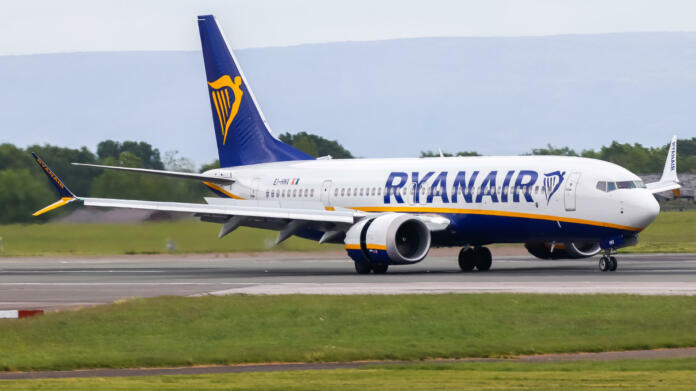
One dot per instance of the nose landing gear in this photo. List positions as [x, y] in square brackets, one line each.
[608, 263]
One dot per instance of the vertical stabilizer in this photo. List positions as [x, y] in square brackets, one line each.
[242, 133]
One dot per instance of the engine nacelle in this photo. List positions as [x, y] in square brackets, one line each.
[568, 250]
[393, 238]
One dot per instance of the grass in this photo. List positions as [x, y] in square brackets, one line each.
[172, 331]
[671, 232]
[633, 375]
[187, 236]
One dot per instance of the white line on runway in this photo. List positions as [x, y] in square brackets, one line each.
[609, 287]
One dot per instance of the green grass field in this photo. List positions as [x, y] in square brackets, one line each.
[671, 232]
[171, 331]
[631, 375]
[188, 236]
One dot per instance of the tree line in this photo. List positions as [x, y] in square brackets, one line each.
[25, 189]
[634, 157]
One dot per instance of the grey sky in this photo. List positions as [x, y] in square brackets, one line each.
[42, 26]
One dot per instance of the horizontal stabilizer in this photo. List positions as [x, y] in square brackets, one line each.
[171, 174]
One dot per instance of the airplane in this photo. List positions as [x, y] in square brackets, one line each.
[392, 211]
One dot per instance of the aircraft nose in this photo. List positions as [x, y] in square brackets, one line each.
[647, 208]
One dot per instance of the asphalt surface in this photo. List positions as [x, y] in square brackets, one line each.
[68, 282]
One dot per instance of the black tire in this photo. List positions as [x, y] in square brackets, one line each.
[604, 264]
[380, 268]
[484, 259]
[466, 259]
[613, 264]
[363, 267]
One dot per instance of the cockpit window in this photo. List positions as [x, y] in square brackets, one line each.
[611, 186]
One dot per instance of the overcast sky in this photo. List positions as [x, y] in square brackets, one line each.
[48, 26]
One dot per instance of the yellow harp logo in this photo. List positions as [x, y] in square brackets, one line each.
[221, 99]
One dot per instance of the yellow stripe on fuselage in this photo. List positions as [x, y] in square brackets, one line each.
[223, 191]
[417, 209]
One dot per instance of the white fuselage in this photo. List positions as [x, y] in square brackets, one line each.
[488, 199]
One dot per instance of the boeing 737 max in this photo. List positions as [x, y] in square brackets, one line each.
[392, 211]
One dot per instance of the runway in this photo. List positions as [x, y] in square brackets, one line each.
[51, 283]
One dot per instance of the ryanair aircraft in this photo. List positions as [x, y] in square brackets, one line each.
[392, 211]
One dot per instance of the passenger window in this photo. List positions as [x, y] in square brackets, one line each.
[343, 192]
[311, 193]
[361, 192]
[335, 192]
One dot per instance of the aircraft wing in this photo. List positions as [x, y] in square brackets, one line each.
[288, 218]
[238, 209]
[669, 180]
[172, 174]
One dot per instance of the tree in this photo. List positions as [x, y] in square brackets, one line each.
[22, 195]
[128, 185]
[551, 150]
[149, 156]
[446, 154]
[77, 178]
[210, 166]
[173, 162]
[315, 146]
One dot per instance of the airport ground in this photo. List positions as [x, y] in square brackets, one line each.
[310, 306]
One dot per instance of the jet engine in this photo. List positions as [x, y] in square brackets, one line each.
[393, 238]
[568, 250]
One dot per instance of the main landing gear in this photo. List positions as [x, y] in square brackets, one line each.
[608, 263]
[475, 257]
[367, 267]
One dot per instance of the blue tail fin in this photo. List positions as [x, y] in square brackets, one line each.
[241, 130]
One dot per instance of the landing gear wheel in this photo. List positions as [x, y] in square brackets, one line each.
[613, 264]
[363, 267]
[467, 261]
[483, 258]
[380, 268]
[604, 263]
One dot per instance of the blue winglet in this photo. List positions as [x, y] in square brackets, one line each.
[63, 191]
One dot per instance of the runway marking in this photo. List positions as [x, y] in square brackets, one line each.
[567, 287]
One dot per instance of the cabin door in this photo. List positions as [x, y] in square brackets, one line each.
[326, 192]
[570, 190]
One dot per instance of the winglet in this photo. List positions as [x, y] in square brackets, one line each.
[669, 180]
[66, 196]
